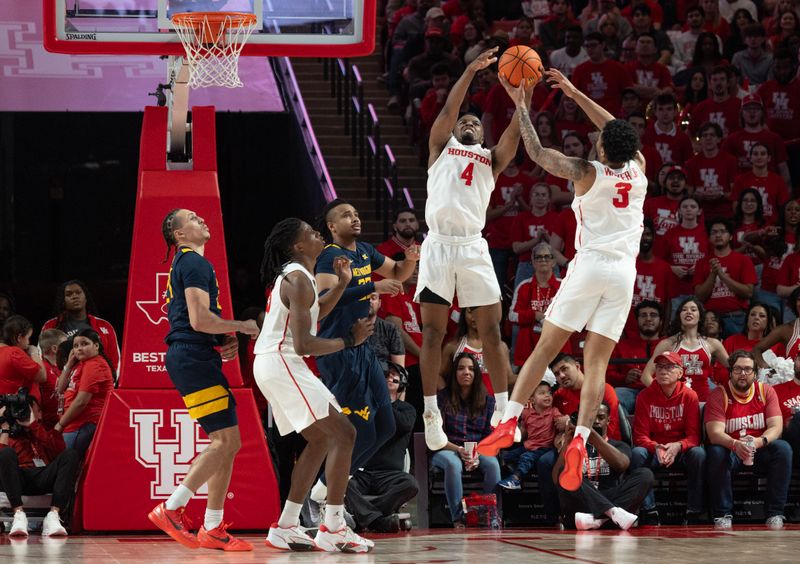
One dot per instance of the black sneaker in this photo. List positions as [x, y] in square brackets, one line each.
[693, 518]
[386, 524]
[649, 518]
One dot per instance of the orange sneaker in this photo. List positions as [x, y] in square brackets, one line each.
[571, 475]
[175, 523]
[501, 437]
[220, 539]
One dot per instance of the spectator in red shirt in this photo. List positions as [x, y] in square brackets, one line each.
[672, 144]
[35, 462]
[779, 242]
[553, 31]
[785, 336]
[666, 432]
[602, 79]
[405, 229]
[721, 108]
[749, 221]
[642, 22]
[712, 172]
[760, 322]
[781, 95]
[770, 185]
[631, 102]
[714, 22]
[570, 118]
[20, 362]
[653, 275]
[401, 311]
[789, 398]
[49, 342]
[647, 74]
[86, 381]
[653, 164]
[724, 279]
[734, 413]
[663, 210]
[562, 190]
[433, 100]
[531, 228]
[75, 310]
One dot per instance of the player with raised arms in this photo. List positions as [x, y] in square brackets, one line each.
[597, 290]
[195, 368]
[300, 401]
[454, 257]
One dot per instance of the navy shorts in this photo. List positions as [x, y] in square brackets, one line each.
[356, 379]
[196, 372]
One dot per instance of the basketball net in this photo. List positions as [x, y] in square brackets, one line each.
[213, 43]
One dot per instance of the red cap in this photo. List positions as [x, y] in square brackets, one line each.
[676, 168]
[434, 31]
[752, 99]
[670, 356]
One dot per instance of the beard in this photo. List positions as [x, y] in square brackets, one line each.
[407, 233]
[468, 138]
[649, 333]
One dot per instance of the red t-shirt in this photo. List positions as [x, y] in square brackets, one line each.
[664, 213]
[49, 401]
[654, 75]
[527, 226]
[771, 187]
[652, 162]
[741, 342]
[567, 225]
[565, 126]
[782, 105]
[17, 369]
[789, 274]
[630, 347]
[672, 148]
[502, 108]
[602, 82]
[722, 299]
[567, 400]
[683, 246]
[740, 142]
[772, 266]
[404, 307]
[541, 428]
[661, 419]
[652, 283]
[498, 231]
[725, 114]
[95, 377]
[789, 397]
[722, 28]
[530, 298]
[711, 178]
[751, 416]
[739, 239]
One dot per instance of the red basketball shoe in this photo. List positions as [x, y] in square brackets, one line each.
[175, 523]
[220, 539]
[571, 475]
[501, 437]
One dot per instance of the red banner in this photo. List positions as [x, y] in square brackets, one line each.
[142, 450]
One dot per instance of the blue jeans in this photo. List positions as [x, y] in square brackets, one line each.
[500, 259]
[547, 488]
[774, 460]
[732, 322]
[692, 462]
[450, 463]
[529, 459]
[627, 398]
[772, 300]
[81, 439]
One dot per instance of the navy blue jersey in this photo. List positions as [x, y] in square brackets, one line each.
[190, 270]
[354, 303]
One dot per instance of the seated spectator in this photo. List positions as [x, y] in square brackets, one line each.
[86, 382]
[609, 490]
[779, 242]
[729, 8]
[708, 53]
[769, 185]
[672, 144]
[714, 23]
[627, 378]
[787, 334]
[570, 119]
[781, 95]
[656, 12]
[789, 398]
[639, 123]
[642, 22]
[6, 307]
[35, 462]
[724, 279]
[572, 54]
[785, 29]
[49, 342]
[385, 339]
[433, 101]
[606, 8]
[75, 310]
[523, 34]
[484, 81]
[735, 42]
[748, 218]
[609, 26]
[553, 31]
[531, 228]
[698, 352]
[649, 77]
[683, 246]
[545, 125]
[666, 432]
[384, 477]
[712, 172]
[744, 424]
[20, 362]
[653, 276]
[755, 61]
[418, 71]
[539, 424]
[631, 103]
[760, 322]
[663, 210]
[562, 191]
[469, 42]
[721, 108]
[405, 232]
[602, 79]
[469, 342]
[467, 410]
[685, 41]
[696, 89]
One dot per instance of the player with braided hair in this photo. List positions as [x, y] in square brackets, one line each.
[195, 368]
[300, 401]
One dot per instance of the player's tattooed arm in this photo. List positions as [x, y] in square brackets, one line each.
[554, 162]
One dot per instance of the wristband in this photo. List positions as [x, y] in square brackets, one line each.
[349, 341]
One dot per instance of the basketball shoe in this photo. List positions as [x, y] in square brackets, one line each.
[220, 539]
[175, 523]
[343, 540]
[434, 433]
[289, 538]
[571, 475]
[497, 416]
[501, 437]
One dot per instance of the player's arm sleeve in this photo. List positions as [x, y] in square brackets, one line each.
[196, 273]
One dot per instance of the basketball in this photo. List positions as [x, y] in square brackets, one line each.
[520, 62]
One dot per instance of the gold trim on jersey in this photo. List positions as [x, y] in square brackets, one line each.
[207, 401]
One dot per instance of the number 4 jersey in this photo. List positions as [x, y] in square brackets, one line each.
[610, 215]
[460, 184]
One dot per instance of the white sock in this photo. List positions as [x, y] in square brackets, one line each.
[179, 498]
[622, 518]
[213, 518]
[290, 516]
[430, 403]
[319, 492]
[501, 400]
[583, 432]
[334, 518]
[512, 409]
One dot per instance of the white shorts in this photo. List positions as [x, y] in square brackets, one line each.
[298, 398]
[462, 265]
[596, 293]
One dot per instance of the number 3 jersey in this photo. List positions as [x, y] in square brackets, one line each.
[610, 214]
[460, 183]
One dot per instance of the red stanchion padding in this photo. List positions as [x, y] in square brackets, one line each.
[142, 450]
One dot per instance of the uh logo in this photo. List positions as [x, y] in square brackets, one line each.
[170, 457]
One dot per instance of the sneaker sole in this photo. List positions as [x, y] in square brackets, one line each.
[512, 488]
[349, 548]
[18, 535]
[293, 546]
[435, 446]
[174, 535]
[571, 476]
[494, 448]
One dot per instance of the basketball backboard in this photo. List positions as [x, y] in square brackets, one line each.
[311, 28]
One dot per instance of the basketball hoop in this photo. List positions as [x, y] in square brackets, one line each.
[213, 43]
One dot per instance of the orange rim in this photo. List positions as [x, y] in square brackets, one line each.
[210, 24]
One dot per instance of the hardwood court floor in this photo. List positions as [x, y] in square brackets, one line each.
[645, 545]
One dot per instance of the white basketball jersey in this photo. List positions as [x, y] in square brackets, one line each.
[460, 184]
[276, 336]
[610, 214]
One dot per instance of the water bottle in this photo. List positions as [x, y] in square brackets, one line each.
[751, 447]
